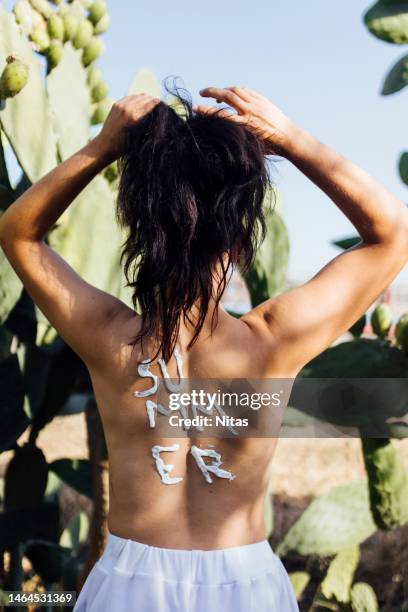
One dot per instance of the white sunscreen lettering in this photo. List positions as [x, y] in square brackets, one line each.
[206, 468]
[152, 408]
[164, 469]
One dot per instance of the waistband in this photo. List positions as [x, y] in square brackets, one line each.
[218, 566]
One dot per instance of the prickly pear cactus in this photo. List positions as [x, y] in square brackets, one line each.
[25, 478]
[403, 167]
[358, 327]
[13, 78]
[363, 598]
[381, 320]
[387, 482]
[70, 113]
[145, 82]
[267, 275]
[339, 577]
[92, 50]
[26, 118]
[101, 110]
[335, 521]
[55, 27]
[397, 78]
[97, 10]
[389, 22]
[299, 581]
[401, 333]
[83, 34]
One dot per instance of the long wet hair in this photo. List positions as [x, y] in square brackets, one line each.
[190, 198]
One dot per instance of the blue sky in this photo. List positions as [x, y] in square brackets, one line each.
[314, 59]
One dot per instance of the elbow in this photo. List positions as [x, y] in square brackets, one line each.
[400, 237]
[403, 231]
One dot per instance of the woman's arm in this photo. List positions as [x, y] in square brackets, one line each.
[80, 312]
[306, 320]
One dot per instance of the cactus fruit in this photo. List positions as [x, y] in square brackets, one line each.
[23, 13]
[55, 27]
[40, 38]
[13, 78]
[388, 483]
[99, 91]
[358, 327]
[111, 172]
[102, 25]
[381, 320]
[403, 167]
[94, 76]
[401, 333]
[83, 34]
[77, 8]
[97, 10]
[54, 53]
[92, 51]
[363, 598]
[42, 7]
[101, 111]
[71, 23]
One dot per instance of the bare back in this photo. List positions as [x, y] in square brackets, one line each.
[192, 513]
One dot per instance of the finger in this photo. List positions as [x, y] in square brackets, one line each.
[242, 92]
[252, 92]
[224, 95]
[225, 113]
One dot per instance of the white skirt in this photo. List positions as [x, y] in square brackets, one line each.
[131, 576]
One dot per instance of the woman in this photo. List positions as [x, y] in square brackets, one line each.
[189, 536]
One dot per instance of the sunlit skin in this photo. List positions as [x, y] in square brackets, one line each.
[274, 339]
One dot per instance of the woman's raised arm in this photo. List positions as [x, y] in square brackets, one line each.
[80, 312]
[306, 320]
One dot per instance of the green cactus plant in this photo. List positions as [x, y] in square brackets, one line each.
[388, 483]
[83, 34]
[403, 167]
[28, 126]
[363, 598]
[339, 577]
[401, 333]
[55, 27]
[54, 54]
[333, 522]
[358, 327]
[267, 275]
[70, 113]
[92, 50]
[397, 78]
[388, 21]
[97, 10]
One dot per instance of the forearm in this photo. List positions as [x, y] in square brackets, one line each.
[377, 214]
[33, 214]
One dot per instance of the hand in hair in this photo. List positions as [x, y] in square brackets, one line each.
[124, 113]
[254, 111]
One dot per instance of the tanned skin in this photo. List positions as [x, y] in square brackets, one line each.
[275, 339]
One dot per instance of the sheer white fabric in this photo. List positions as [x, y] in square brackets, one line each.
[131, 576]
